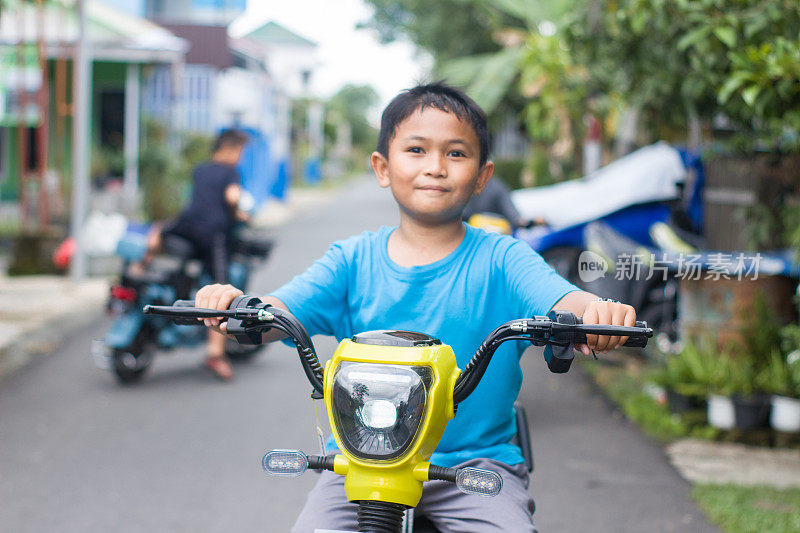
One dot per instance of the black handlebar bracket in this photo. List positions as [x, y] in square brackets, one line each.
[558, 352]
[242, 329]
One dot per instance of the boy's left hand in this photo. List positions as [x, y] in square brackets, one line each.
[608, 313]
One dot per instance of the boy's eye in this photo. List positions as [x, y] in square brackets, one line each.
[457, 153]
[415, 150]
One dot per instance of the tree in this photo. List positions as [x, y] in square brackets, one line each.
[352, 104]
[681, 59]
[446, 29]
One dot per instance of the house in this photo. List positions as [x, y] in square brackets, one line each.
[291, 59]
[36, 109]
[222, 85]
[244, 81]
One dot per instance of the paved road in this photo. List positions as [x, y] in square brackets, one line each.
[181, 451]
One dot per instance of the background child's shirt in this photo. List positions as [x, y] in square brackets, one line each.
[488, 280]
[208, 213]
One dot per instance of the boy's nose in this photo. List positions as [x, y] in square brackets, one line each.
[436, 166]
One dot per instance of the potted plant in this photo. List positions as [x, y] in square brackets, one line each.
[783, 379]
[685, 378]
[750, 404]
[721, 413]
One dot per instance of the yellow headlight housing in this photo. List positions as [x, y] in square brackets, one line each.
[389, 397]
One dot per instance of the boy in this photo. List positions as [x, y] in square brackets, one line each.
[207, 221]
[436, 275]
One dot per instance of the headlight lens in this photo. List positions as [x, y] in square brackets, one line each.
[378, 414]
[379, 408]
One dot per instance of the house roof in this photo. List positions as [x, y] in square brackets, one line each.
[274, 33]
[209, 44]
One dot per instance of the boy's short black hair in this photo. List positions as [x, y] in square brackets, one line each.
[437, 95]
[231, 138]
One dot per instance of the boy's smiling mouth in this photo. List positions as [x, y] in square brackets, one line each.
[436, 188]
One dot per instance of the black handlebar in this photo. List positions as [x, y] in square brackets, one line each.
[559, 332]
[184, 312]
[248, 318]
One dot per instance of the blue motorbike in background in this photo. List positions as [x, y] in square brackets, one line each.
[175, 273]
[649, 200]
[651, 187]
[648, 205]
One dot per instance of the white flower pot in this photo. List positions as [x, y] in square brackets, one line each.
[785, 415]
[721, 414]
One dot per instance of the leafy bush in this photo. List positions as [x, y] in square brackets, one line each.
[760, 331]
[626, 388]
[691, 371]
[165, 178]
[733, 375]
[782, 375]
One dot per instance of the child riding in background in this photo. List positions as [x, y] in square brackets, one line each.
[207, 221]
[434, 274]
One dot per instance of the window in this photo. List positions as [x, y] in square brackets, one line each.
[112, 118]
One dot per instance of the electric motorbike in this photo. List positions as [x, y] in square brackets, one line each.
[174, 273]
[389, 395]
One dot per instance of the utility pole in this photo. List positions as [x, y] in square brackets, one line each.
[131, 135]
[80, 143]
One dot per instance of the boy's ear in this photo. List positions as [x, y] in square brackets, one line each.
[484, 175]
[380, 166]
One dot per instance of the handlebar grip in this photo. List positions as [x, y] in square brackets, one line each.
[185, 321]
[632, 342]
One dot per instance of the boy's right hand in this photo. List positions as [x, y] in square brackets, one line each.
[216, 296]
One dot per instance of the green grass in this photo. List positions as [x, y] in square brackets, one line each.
[750, 509]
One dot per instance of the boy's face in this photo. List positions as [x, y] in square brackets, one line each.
[433, 167]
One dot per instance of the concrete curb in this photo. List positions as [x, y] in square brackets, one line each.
[719, 462]
[37, 312]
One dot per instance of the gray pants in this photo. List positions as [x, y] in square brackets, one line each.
[442, 503]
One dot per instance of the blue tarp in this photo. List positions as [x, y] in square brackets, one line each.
[256, 166]
[312, 171]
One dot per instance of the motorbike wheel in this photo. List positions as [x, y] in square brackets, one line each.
[131, 363]
[241, 352]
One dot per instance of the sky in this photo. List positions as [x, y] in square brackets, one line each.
[346, 55]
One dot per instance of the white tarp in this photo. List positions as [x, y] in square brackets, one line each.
[647, 175]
